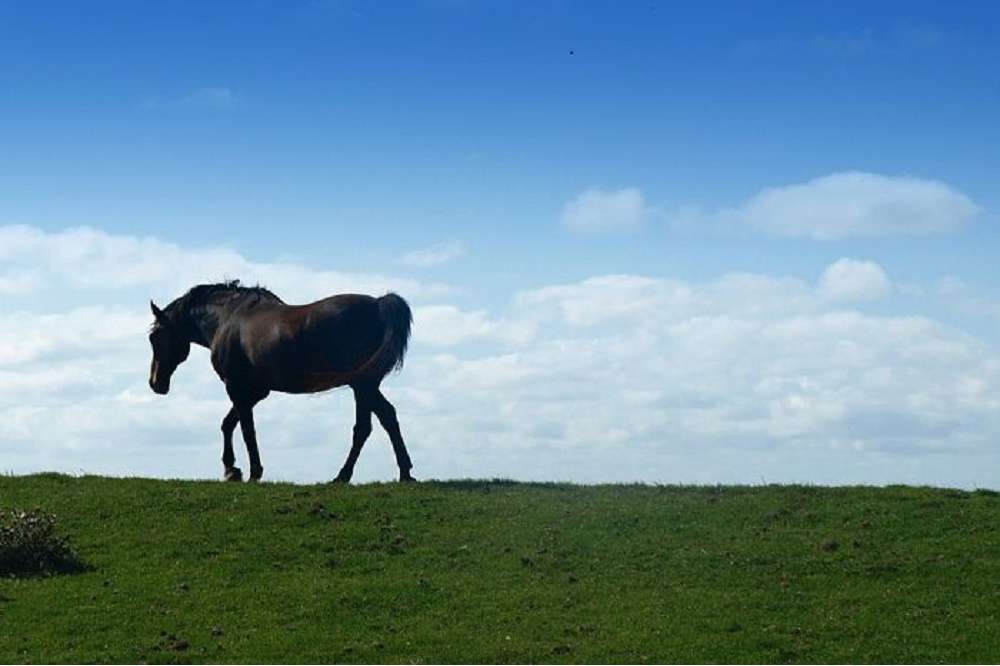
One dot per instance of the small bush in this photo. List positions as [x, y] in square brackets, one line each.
[30, 546]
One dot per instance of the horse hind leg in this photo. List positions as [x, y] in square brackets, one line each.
[386, 414]
[362, 428]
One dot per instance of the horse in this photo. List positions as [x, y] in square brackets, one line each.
[259, 344]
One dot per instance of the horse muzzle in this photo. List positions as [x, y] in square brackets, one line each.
[159, 386]
[159, 381]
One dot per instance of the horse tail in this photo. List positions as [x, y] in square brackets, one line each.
[396, 317]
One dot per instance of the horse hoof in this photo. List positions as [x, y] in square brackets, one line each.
[234, 474]
[341, 479]
[406, 479]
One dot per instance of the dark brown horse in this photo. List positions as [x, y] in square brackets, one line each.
[259, 344]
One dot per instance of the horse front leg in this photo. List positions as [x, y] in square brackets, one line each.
[232, 472]
[245, 412]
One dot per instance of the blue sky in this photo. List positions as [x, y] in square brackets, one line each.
[346, 136]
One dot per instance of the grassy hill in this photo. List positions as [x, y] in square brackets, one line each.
[476, 571]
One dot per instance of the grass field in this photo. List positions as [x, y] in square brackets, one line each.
[475, 571]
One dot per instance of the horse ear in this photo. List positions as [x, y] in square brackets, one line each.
[157, 312]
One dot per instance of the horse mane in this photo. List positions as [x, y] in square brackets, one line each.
[230, 292]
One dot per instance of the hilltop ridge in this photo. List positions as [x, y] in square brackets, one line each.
[499, 571]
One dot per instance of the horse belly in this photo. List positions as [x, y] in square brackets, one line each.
[320, 357]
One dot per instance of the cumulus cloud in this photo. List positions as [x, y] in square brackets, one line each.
[435, 255]
[963, 299]
[597, 211]
[612, 378]
[856, 203]
[28, 336]
[20, 283]
[89, 259]
[797, 375]
[844, 205]
[447, 325]
[853, 280]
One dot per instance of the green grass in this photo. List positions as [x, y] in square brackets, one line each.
[474, 571]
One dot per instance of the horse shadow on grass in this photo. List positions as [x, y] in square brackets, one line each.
[488, 485]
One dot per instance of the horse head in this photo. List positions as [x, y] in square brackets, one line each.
[170, 349]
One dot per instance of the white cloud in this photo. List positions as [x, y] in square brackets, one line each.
[596, 211]
[18, 284]
[858, 204]
[447, 325]
[852, 280]
[963, 299]
[27, 336]
[88, 259]
[435, 255]
[612, 378]
[845, 205]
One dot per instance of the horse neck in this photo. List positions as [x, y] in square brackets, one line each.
[204, 320]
